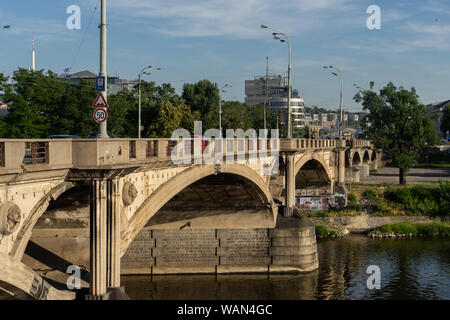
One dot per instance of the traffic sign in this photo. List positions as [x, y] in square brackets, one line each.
[100, 102]
[100, 115]
[100, 83]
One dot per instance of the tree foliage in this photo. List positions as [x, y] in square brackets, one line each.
[445, 121]
[203, 97]
[399, 124]
[171, 117]
[41, 104]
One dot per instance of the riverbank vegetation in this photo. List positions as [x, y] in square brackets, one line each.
[409, 229]
[431, 199]
[325, 232]
[416, 200]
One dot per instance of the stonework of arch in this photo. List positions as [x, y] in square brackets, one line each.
[24, 233]
[172, 187]
[313, 156]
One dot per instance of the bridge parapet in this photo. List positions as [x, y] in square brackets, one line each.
[304, 144]
[360, 143]
[17, 155]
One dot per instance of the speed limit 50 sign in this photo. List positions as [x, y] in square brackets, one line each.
[100, 115]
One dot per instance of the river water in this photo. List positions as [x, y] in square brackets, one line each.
[410, 269]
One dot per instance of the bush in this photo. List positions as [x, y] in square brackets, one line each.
[370, 194]
[324, 231]
[351, 197]
[444, 197]
[419, 199]
[352, 203]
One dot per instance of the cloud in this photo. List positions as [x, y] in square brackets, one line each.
[235, 18]
[43, 30]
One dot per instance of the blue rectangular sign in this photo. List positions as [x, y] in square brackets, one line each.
[100, 83]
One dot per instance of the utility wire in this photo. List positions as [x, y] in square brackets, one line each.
[84, 36]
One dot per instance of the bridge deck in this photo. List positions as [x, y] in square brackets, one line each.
[29, 155]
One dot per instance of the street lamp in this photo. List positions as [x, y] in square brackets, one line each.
[276, 35]
[342, 96]
[220, 107]
[143, 72]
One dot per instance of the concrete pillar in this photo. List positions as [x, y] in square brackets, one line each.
[113, 234]
[364, 170]
[290, 185]
[375, 162]
[341, 167]
[98, 232]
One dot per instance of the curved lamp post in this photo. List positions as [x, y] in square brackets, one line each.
[285, 38]
[342, 96]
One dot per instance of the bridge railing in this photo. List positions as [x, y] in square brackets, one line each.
[304, 144]
[44, 154]
[34, 154]
[360, 143]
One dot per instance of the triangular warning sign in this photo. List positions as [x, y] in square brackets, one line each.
[100, 102]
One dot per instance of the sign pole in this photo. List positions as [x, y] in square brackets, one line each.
[102, 128]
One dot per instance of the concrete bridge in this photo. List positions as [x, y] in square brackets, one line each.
[224, 200]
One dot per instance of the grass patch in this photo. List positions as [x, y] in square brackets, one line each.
[325, 232]
[421, 200]
[432, 229]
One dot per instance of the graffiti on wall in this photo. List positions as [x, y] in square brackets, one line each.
[320, 202]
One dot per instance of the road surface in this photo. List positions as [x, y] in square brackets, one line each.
[415, 175]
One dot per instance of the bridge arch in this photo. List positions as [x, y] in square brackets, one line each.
[304, 159]
[356, 160]
[312, 172]
[24, 233]
[366, 157]
[347, 159]
[373, 156]
[176, 185]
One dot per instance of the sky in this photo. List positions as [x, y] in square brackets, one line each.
[221, 40]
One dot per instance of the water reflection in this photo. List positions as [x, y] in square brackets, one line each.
[410, 269]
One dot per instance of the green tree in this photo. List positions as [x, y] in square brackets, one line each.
[257, 114]
[29, 104]
[399, 124]
[121, 106]
[301, 132]
[235, 115]
[445, 121]
[171, 117]
[203, 97]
